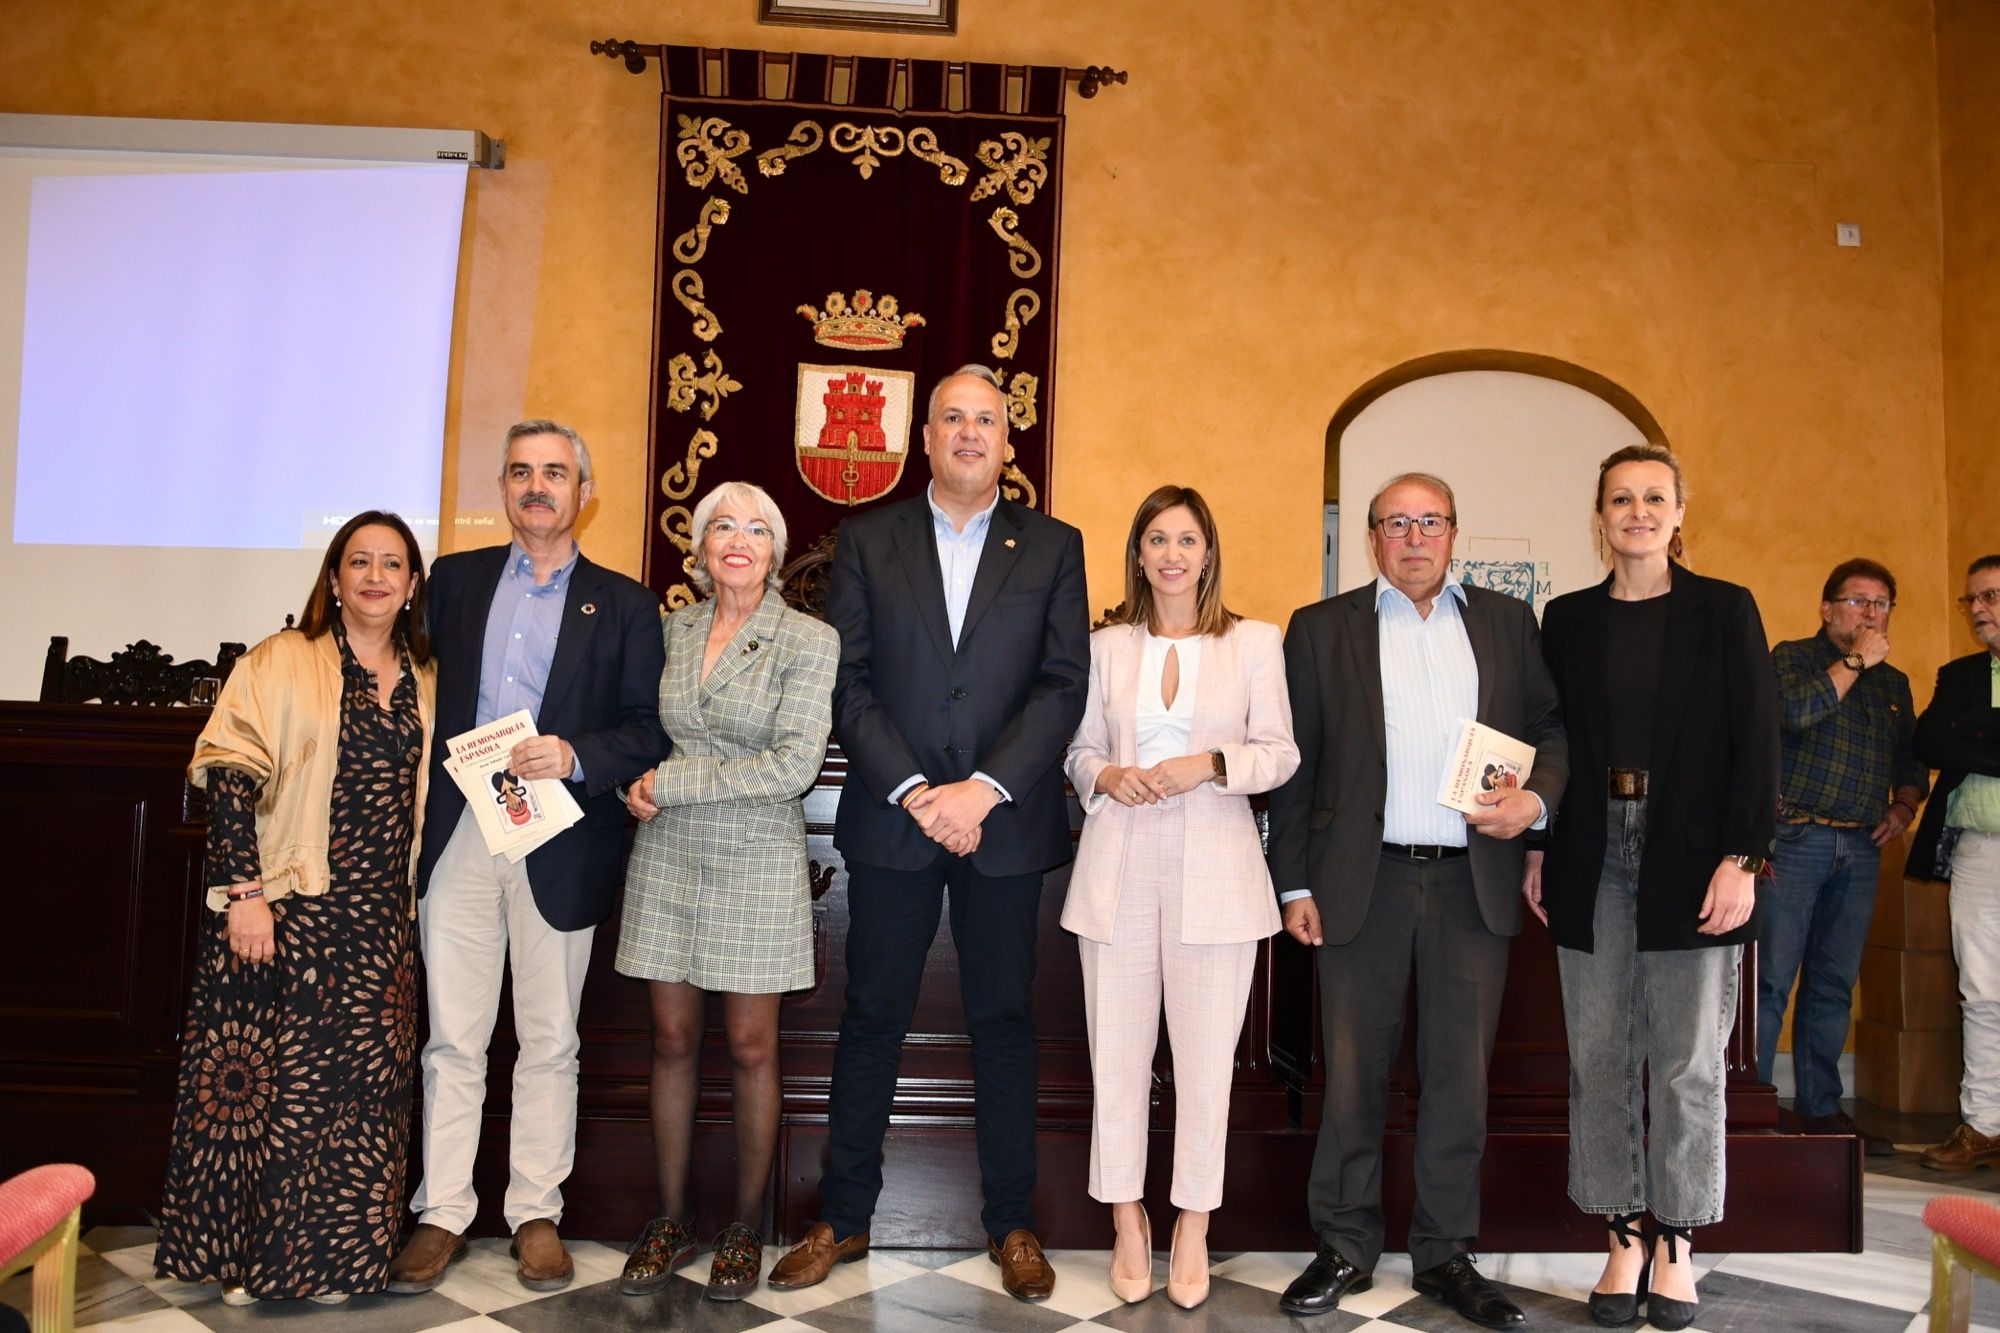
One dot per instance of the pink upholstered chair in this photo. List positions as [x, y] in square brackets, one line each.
[41, 1212]
[1965, 1239]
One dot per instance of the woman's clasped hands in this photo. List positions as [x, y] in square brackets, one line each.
[1150, 786]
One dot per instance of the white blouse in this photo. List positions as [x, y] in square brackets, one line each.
[1162, 731]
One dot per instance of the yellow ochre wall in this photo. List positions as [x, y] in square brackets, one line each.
[1969, 115]
[1289, 198]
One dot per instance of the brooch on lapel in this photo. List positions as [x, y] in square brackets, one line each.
[1010, 543]
[588, 608]
[750, 647]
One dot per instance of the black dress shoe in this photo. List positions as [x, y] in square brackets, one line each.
[1326, 1279]
[1458, 1284]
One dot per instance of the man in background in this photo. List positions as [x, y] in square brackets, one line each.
[1851, 783]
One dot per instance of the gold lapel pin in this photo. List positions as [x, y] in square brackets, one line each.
[1010, 543]
[589, 608]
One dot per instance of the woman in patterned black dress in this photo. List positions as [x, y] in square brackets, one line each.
[286, 1173]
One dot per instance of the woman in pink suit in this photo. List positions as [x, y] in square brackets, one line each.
[1186, 719]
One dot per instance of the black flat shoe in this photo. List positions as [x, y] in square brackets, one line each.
[1664, 1312]
[1458, 1284]
[1614, 1309]
[1326, 1279]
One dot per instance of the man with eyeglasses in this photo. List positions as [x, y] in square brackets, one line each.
[1851, 783]
[1959, 841]
[1385, 882]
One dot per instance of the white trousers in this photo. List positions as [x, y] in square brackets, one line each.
[1206, 988]
[477, 920]
[1975, 943]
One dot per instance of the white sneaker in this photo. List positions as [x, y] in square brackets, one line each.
[235, 1293]
[329, 1298]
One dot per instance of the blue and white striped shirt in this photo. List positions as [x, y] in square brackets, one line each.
[1430, 686]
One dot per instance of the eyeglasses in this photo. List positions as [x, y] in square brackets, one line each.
[727, 527]
[1882, 605]
[1398, 525]
[1985, 597]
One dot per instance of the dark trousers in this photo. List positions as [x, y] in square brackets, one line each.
[892, 919]
[1422, 914]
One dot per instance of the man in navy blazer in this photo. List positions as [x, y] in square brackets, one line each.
[530, 625]
[964, 659]
[1958, 840]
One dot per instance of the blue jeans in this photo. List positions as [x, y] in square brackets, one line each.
[1815, 922]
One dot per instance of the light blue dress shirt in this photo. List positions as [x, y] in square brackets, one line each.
[958, 561]
[520, 642]
[1430, 687]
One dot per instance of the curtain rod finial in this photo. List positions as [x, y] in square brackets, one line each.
[1095, 77]
[630, 52]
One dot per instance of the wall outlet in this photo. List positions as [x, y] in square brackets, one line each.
[1847, 233]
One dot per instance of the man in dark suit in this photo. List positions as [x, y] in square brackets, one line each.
[964, 657]
[1383, 880]
[1958, 840]
[530, 625]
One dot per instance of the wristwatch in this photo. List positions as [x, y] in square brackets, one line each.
[1756, 865]
[1855, 662]
[1221, 768]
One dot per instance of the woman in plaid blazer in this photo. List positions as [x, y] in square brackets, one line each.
[716, 892]
[1187, 716]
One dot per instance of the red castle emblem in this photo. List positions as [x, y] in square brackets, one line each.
[853, 443]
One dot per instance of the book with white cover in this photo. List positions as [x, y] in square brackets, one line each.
[515, 814]
[1483, 760]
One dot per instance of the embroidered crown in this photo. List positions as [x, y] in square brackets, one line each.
[860, 321]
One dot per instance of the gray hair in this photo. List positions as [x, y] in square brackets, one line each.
[767, 509]
[978, 372]
[543, 426]
[1429, 479]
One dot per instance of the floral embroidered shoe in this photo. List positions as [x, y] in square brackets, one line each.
[739, 1256]
[661, 1248]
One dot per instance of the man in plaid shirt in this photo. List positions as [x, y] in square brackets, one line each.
[1851, 783]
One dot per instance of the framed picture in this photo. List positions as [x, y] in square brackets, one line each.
[938, 17]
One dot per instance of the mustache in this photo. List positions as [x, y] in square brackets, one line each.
[536, 497]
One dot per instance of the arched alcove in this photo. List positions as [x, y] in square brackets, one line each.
[1517, 435]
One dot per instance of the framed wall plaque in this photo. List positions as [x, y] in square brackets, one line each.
[937, 17]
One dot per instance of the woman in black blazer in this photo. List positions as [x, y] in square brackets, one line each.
[1648, 883]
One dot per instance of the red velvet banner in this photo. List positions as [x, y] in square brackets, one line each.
[835, 236]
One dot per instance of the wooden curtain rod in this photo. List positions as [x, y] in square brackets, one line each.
[635, 54]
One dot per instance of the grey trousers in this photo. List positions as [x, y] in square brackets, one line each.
[1423, 913]
[1669, 1009]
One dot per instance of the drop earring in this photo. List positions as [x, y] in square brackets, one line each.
[1677, 548]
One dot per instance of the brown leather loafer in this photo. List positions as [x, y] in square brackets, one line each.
[544, 1264]
[422, 1262]
[1965, 1149]
[1024, 1270]
[813, 1258]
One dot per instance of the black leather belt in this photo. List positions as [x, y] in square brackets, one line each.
[1626, 784]
[1426, 852]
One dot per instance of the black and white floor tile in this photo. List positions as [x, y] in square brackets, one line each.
[1884, 1289]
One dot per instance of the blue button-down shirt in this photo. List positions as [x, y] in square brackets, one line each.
[1430, 686]
[958, 561]
[958, 555]
[520, 645]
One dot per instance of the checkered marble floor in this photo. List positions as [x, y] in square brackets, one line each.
[1885, 1289]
